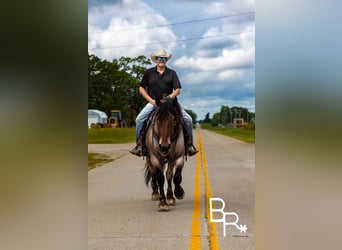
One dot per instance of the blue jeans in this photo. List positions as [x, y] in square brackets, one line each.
[144, 113]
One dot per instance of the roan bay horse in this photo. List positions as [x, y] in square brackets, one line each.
[165, 145]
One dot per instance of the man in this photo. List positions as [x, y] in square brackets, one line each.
[156, 83]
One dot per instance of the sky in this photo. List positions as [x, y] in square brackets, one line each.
[212, 45]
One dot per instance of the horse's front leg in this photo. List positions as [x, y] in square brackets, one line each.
[150, 174]
[177, 179]
[169, 175]
[163, 206]
[154, 185]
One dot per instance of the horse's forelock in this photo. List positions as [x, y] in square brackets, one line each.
[167, 108]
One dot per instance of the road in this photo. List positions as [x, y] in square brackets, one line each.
[122, 216]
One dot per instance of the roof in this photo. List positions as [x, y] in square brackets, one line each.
[97, 113]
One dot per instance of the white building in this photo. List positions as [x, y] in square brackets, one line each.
[96, 116]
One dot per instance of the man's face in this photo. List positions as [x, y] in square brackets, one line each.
[161, 61]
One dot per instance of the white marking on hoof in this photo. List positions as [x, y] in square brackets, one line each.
[171, 202]
[163, 208]
[155, 197]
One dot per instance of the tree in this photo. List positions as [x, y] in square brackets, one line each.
[102, 78]
[115, 84]
[207, 119]
[224, 115]
[216, 119]
[135, 68]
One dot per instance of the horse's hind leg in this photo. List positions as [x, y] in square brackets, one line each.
[163, 206]
[169, 195]
[177, 179]
[155, 192]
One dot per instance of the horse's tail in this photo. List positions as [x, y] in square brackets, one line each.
[148, 175]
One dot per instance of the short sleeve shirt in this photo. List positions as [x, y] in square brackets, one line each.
[158, 84]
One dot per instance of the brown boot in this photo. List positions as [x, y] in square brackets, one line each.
[191, 150]
[136, 151]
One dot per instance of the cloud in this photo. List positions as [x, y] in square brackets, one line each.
[229, 59]
[194, 77]
[117, 30]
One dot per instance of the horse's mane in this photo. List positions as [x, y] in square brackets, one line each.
[167, 107]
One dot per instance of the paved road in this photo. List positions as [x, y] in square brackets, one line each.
[122, 216]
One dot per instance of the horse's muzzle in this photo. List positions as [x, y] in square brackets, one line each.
[164, 149]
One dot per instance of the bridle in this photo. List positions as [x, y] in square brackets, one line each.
[156, 133]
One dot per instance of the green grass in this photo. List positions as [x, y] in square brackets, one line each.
[96, 160]
[244, 134]
[111, 135]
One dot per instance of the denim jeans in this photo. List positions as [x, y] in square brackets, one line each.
[144, 113]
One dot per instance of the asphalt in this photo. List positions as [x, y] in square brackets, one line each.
[121, 214]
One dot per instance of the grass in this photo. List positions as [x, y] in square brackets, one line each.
[245, 134]
[107, 136]
[111, 135]
[96, 160]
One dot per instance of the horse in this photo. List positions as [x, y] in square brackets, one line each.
[165, 145]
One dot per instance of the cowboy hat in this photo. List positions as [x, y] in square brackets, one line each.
[160, 53]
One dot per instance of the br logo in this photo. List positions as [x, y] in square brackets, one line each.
[224, 215]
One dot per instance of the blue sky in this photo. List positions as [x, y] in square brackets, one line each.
[212, 43]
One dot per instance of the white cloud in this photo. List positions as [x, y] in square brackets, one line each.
[230, 75]
[229, 7]
[193, 78]
[229, 59]
[123, 33]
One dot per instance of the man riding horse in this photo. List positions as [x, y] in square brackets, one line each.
[157, 82]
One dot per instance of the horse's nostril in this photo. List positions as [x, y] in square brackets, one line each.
[163, 149]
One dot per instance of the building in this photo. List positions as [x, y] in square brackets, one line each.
[96, 117]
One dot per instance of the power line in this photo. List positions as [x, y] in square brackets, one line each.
[179, 40]
[172, 24]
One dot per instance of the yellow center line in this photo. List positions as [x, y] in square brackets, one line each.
[212, 232]
[195, 243]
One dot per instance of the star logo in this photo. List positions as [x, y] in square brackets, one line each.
[243, 228]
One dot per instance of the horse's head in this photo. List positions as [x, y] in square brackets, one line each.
[168, 120]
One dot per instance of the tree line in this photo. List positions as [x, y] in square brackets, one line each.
[226, 116]
[115, 85]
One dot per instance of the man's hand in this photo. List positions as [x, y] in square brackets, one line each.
[167, 99]
[153, 102]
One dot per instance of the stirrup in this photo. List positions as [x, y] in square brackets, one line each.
[191, 150]
[136, 151]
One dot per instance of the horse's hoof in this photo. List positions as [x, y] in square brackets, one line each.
[179, 193]
[155, 196]
[180, 197]
[171, 202]
[163, 206]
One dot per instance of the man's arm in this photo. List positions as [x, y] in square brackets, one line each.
[144, 93]
[175, 93]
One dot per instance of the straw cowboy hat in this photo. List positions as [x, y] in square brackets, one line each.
[161, 53]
